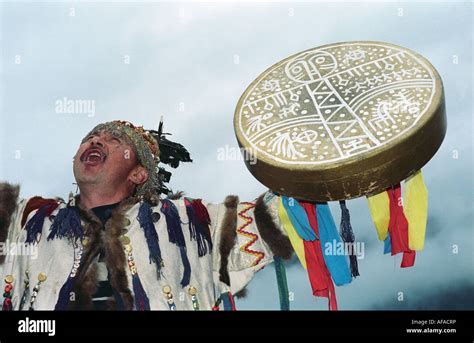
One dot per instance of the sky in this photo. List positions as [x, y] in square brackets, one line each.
[190, 62]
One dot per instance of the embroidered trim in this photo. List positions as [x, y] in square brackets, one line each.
[169, 298]
[26, 290]
[78, 250]
[192, 291]
[253, 237]
[7, 296]
[142, 302]
[64, 293]
[36, 289]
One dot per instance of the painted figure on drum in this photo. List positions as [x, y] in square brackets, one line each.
[320, 126]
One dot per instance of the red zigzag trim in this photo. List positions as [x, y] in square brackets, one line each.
[253, 237]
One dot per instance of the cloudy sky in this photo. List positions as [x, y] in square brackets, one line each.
[191, 62]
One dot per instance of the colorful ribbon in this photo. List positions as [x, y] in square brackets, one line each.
[228, 301]
[295, 239]
[379, 206]
[299, 219]
[347, 235]
[337, 264]
[416, 210]
[398, 228]
[403, 231]
[387, 245]
[282, 284]
[318, 273]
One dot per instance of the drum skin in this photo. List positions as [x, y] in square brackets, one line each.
[341, 121]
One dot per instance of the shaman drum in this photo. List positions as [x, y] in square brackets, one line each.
[341, 121]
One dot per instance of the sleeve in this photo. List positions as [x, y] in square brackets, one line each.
[12, 259]
[246, 237]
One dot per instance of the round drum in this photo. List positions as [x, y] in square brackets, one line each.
[341, 120]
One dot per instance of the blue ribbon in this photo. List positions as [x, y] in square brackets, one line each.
[283, 292]
[337, 264]
[141, 299]
[145, 219]
[67, 224]
[176, 236]
[226, 300]
[387, 245]
[34, 226]
[299, 219]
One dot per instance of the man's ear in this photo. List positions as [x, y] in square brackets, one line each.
[138, 175]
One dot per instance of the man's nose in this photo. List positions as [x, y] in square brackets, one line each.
[97, 141]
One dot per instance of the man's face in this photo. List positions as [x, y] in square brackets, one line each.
[104, 159]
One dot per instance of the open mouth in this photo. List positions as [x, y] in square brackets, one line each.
[93, 156]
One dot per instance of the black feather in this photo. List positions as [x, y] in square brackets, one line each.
[171, 153]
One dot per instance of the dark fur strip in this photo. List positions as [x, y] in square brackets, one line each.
[93, 232]
[175, 195]
[84, 289]
[115, 256]
[86, 280]
[241, 294]
[111, 305]
[228, 234]
[279, 244]
[8, 203]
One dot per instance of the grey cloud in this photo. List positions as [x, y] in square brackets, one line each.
[191, 61]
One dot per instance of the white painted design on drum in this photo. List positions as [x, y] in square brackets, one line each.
[332, 103]
[310, 66]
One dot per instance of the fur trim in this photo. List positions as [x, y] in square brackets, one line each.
[108, 239]
[175, 195]
[115, 258]
[228, 235]
[111, 305]
[278, 243]
[93, 231]
[152, 198]
[86, 283]
[242, 293]
[84, 289]
[8, 203]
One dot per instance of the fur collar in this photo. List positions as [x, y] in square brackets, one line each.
[8, 204]
[115, 259]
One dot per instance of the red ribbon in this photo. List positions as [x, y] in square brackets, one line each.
[318, 273]
[398, 228]
[231, 299]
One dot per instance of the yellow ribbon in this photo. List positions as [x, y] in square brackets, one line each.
[379, 206]
[416, 210]
[295, 239]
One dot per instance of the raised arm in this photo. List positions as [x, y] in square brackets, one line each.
[246, 236]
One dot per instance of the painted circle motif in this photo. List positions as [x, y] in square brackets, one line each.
[334, 102]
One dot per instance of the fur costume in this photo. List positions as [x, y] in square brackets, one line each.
[227, 268]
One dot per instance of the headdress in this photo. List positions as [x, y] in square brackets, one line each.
[151, 148]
